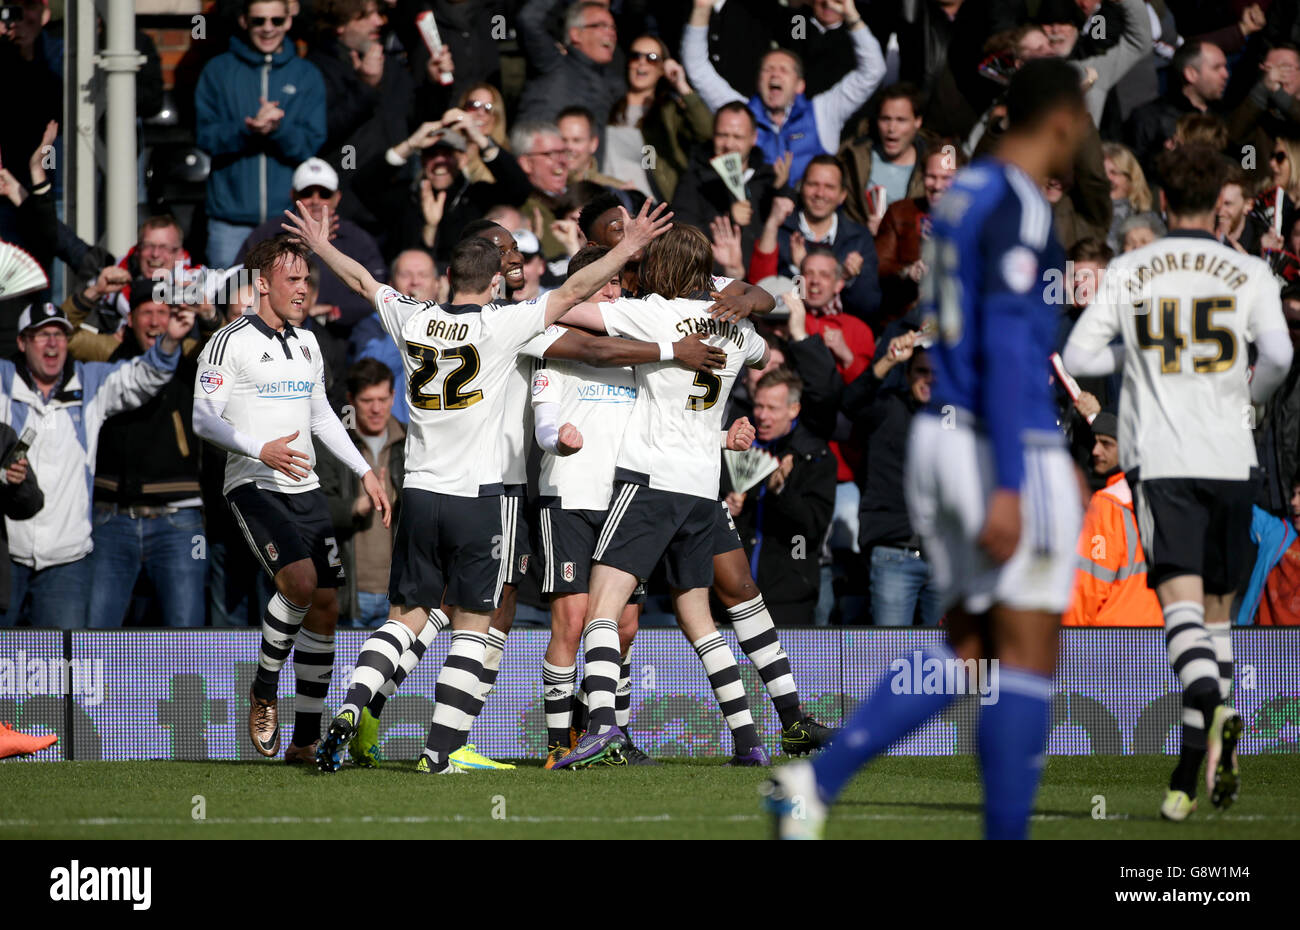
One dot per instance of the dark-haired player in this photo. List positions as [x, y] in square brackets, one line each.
[989, 483]
[448, 547]
[1187, 308]
[260, 395]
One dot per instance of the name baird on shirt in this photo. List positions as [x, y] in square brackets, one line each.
[711, 327]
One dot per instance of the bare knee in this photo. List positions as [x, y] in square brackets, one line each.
[732, 581]
[297, 582]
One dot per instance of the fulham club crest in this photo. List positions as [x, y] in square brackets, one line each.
[567, 571]
[272, 553]
[306, 352]
[523, 565]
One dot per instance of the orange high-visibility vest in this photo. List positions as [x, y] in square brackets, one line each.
[1110, 583]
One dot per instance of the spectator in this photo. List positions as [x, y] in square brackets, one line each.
[1118, 58]
[902, 581]
[659, 114]
[67, 403]
[315, 185]
[433, 214]
[1272, 108]
[36, 220]
[891, 160]
[545, 160]
[530, 249]
[261, 113]
[1277, 434]
[1129, 193]
[471, 43]
[35, 93]
[1240, 226]
[1273, 595]
[1198, 77]
[1284, 166]
[702, 195]
[365, 544]
[783, 520]
[486, 109]
[1140, 230]
[415, 275]
[905, 226]
[787, 120]
[369, 96]
[147, 503]
[583, 71]
[20, 499]
[577, 126]
[1110, 584]
[787, 235]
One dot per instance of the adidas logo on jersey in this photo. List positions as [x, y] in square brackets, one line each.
[266, 357]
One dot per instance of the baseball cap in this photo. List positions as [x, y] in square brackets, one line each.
[1105, 424]
[37, 315]
[778, 286]
[527, 243]
[315, 172]
[451, 138]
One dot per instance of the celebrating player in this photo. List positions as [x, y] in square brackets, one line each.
[664, 503]
[989, 482]
[1187, 307]
[260, 395]
[448, 548]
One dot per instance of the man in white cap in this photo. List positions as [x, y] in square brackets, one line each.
[316, 185]
[65, 402]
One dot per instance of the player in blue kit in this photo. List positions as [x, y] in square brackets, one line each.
[989, 483]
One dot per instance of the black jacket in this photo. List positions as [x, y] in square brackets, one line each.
[783, 532]
[883, 414]
[701, 195]
[1277, 443]
[18, 502]
[1153, 123]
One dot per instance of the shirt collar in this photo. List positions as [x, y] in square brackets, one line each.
[260, 325]
[808, 233]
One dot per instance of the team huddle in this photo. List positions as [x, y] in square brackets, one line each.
[625, 395]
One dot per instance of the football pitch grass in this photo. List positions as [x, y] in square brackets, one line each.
[895, 798]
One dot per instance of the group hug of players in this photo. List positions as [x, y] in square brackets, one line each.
[631, 427]
[625, 486]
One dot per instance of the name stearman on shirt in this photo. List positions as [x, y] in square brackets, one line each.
[1216, 267]
[712, 327]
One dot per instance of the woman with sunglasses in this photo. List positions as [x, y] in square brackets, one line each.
[486, 110]
[659, 111]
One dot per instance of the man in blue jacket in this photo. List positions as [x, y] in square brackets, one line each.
[261, 113]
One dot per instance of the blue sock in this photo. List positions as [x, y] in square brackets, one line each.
[881, 720]
[1012, 742]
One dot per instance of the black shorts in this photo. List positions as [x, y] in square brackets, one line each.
[567, 540]
[645, 525]
[449, 550]
[286, 528]
[515, 527]
[1195, 526]
[725, 536]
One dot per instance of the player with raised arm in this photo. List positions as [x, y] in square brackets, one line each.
[1187, 307]
[260, 395]
[448, 545]
[733, 581]
[664, 500]
[989, 483]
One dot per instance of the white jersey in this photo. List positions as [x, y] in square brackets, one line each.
[517, 430]
[599, 402]
[266, 381]
[671, 442]
[1186, 307]
[458, 362]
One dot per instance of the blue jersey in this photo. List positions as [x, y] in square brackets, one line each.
[990, 246]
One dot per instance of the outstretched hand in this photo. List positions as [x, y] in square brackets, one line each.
[315, 233]
[648, 225]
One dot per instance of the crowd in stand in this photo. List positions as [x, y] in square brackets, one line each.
[809, 140]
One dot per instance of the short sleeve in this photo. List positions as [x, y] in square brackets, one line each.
[721, 283]
[1098, 325]
[755, 346]
[629, 317]
[395, 309]
[537, 346]
[1266, 309]
[548, 386]
[217, 371]
[517, 325]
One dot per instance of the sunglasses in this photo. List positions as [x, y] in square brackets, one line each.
[652, 57]
[315, 191]
[480, 105]
[1277, 157]
[276, 21]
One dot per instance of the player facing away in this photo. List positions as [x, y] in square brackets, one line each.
[733, 581]
[556, 343]
[664, 500]
[448, 547]
[989, 483]
[1187, 308]
[260, 395]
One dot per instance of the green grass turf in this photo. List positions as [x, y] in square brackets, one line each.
[913, 798]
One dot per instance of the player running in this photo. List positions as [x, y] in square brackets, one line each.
[664, 503]
[1187, 307]
[448, 548]
[260, 395]
[989, 483]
